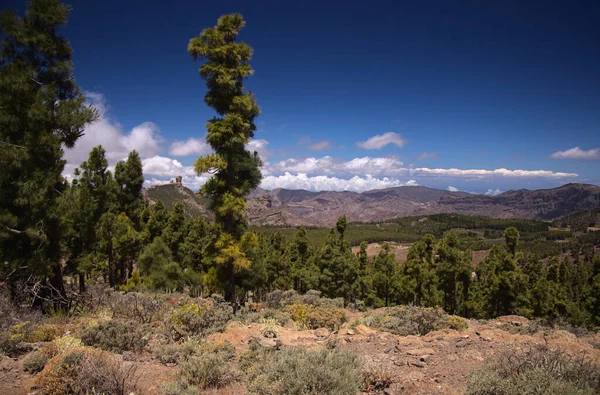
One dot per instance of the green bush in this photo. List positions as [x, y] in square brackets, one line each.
[297, 371]
[279, 299]
[35, 362]
[312, 317]
[87, 371]
[116, 336]
[206, 365]
[9, 344]
[176, 353]
[199, 317]
[412, 320]
[538, 370]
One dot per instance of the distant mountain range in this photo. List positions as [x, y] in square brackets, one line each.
[300, 207]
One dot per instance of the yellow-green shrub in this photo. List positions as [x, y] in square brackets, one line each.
[312, 317]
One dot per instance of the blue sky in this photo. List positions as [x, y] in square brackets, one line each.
[476, 96]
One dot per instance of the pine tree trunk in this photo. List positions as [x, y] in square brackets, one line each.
[58, 285]
[111, 266]
[81, 282]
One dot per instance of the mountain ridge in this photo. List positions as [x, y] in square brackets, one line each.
[322, 208]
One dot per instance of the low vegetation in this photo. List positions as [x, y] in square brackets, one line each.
[538, 370]
[297, 371]
[82, 370]
[116, 336]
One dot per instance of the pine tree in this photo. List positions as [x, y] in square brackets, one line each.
[175, 232]
[41, 110]
[129, 177]
[235, 171]
[82, 206]
[156, 223]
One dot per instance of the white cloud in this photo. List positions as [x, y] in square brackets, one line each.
[487, 173]
[453, 189]
[327, 165]
[166, 167]
[261, 146]
[144, 138]
[192, 146]
[391, 166]
[381, 140]
[577, 153]
[320, 145]
[493, 192]
[325, 183]
[428, 155]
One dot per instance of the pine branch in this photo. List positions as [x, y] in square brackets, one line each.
[15, 231]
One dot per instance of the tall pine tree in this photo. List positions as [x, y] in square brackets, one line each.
[235, 171]
[41, 111]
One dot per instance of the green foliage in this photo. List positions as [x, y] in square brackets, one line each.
[312, 317]
[176, 353]
[41, 110]
[235, 171]
[297, 371]
[116, 336]
[412, 320]
[538, 370]
[85, 370]
[35, 362]
[200, 317]
[201, 366]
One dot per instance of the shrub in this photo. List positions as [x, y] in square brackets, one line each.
[199, 317]
[269, 329]
[538, 370]
[297, 371]
[9, 344]
[44, 333]
[65, 343]
[143, 308]
[176, 353]
[412, 320]
[206, 366]
[311, 317]
[279, 299]
[116, 336]
[35, 362]
[249, 317]
[85, 371]
[376, 378]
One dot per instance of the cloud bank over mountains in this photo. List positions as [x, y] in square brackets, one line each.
[311, 173]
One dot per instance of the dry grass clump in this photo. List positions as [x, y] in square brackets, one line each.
[87, 371]
[376, 377]
[538, 370]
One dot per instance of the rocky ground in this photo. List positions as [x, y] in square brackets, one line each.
[436, 363]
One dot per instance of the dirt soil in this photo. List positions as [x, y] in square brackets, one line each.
[437, 363]
[401, 252]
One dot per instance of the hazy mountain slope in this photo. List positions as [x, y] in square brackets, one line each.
[300, 207]
[169, 194]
